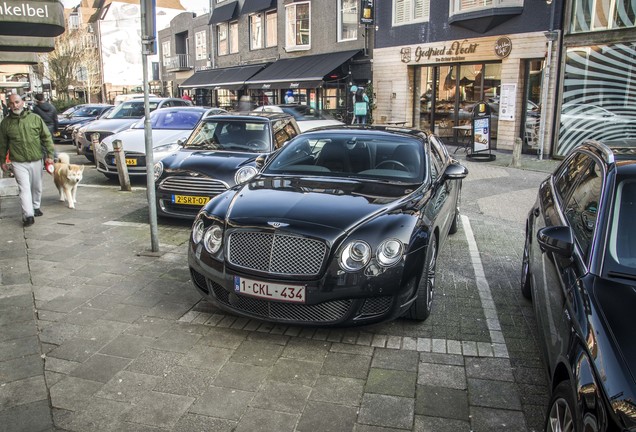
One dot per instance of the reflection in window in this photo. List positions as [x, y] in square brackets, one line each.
[234, 38]
[598, 95]
[463, 6]
[271, 30]
[347, 20]
[582, 208]
[598, 15]
[201, 49]
[222, 39]
[297, 26]
[622, 244]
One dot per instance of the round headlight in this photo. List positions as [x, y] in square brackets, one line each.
[390, 252]
[355, 255]
[197, 231]
[213, 238]
[158, 170]
[244, 174]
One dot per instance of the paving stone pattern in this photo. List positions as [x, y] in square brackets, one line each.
[96, 335]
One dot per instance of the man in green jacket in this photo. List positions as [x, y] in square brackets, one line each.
[23, 135]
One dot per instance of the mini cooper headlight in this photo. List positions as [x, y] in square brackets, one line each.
[197, 231]
[213, 238]
[158, 170]
[355, 255]
[244, 174]
[389, 252]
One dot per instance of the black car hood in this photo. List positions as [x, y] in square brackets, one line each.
[216, 164]
[337, 204]
[617, 303]
[73, 120]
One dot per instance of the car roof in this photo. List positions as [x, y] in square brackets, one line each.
[369, 129]
[250, 115]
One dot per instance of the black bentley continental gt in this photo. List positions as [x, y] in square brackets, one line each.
[341, 226]
[579, 269]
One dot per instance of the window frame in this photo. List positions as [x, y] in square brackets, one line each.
[166, 50]
[412, 12]
[341, 14]
[200, 45]
[291, 27]
[456, 7]
[222, 43]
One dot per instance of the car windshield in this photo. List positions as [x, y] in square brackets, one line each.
[87, 112]
[230, 135]
[622, 243]
[131, 110]
[172, 119]
[368, 156]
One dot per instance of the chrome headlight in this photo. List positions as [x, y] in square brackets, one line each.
[197, 231]
[355, 255]
[390, 252]
[102, 148]
[158, 170]
[244, 174]
[167, 148]
[213, 238]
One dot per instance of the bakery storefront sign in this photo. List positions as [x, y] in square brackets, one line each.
[457, 51]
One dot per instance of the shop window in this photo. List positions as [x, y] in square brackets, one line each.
[410, 11]
[599, 15]
[297, 27]
[347, 20]
[201, 51]
[598, 95]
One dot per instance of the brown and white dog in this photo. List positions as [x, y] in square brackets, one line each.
[66, 177]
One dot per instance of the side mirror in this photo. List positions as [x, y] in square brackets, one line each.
[455, 171]
[556, 239]
[180, 142]
[260, 161]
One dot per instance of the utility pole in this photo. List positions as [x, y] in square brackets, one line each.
[148, 47]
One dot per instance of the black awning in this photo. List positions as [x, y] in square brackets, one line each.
[232, 78]
[256, 5]
[27, 44]
[223, 13]
[18, 58]
[44, 18]
[300, 72]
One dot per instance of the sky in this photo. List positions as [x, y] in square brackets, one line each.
[196, 6]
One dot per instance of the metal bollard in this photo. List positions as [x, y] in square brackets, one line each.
[122, 168]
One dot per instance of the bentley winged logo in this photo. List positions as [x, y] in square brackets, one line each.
[278, 224]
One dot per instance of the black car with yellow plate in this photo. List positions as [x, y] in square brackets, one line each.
[220, 153]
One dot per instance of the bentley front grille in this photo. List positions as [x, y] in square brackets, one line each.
[193, 185]
[278, 254]
[325, 312]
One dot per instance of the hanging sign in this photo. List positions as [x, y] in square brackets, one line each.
[366, 15]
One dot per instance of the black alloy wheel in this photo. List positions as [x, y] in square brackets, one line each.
[561, 410]
[421, 307]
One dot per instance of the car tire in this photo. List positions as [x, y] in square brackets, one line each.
[561, 413]
[455, 225]
[526, 287]
[421, 307]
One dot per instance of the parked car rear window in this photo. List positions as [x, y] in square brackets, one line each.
[231, 135]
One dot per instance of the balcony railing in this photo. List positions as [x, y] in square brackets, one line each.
[179, 62]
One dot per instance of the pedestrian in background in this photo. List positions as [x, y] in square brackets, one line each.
[47, 111]
[360, 106]
[23, 134]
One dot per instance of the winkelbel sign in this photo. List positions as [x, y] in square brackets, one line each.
[24, 9]
[43, 18]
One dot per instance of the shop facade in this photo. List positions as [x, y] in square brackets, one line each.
[435, 86]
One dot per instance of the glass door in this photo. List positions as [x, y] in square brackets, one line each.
[445, 101]
[531, 115]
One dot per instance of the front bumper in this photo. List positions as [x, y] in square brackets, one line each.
[330, 301]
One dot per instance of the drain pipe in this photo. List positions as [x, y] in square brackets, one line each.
[551, 36]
